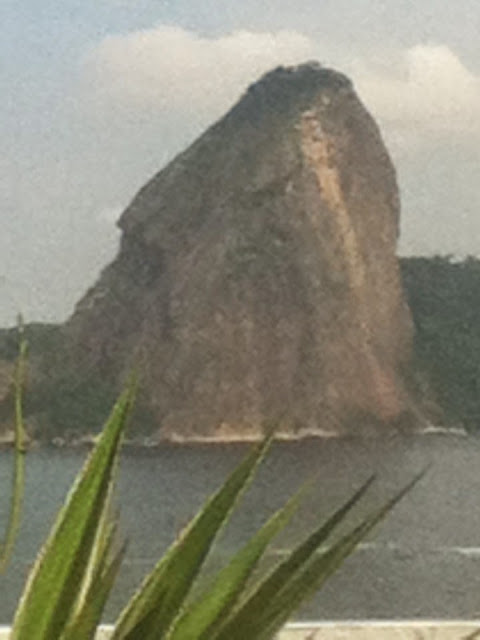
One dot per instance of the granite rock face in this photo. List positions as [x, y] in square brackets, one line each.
[257, 276]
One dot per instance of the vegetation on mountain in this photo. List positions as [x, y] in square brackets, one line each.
[444, 298]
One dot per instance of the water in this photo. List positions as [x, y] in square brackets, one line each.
[422, 562]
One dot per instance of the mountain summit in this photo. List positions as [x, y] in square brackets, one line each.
[257, 276]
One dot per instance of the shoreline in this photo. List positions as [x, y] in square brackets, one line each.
[146, 443]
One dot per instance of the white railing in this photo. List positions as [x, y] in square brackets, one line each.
[362, 630]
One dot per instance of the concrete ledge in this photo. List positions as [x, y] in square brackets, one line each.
[384, 630]
[364, 630]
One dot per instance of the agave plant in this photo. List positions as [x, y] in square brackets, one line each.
[18, 476]
[75, 570]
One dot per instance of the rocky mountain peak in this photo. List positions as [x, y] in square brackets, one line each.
[257, 275]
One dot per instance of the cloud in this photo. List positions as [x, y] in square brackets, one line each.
[187, 80]
[171, 70]
[420, 93]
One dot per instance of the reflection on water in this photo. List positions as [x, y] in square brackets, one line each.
[423, 561]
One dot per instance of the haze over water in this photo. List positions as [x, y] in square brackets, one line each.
[422, 562]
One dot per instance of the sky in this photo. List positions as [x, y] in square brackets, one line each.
[98, 95]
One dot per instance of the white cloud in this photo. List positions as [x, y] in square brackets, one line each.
[171, 70]
[186, 79]
[424, 91]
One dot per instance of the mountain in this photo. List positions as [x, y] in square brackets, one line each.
[257, 278]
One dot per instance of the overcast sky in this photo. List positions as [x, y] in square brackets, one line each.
[97, 95]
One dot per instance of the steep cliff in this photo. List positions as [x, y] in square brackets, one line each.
[257, 276]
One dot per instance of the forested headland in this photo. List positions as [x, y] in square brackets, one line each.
[444, 298]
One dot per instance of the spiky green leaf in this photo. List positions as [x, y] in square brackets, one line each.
[253, 604]
[310, 576]
[59, 573]
[18, 478]
[216, 603]
[160, 599]
[87, 619]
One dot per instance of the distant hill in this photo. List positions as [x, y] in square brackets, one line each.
[444, 297]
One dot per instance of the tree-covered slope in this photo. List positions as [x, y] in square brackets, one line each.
[444, 298]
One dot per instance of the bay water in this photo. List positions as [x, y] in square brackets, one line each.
[422, 562]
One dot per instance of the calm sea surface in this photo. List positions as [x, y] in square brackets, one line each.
[423, 561]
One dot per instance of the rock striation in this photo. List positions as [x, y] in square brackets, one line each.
[257, 277]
